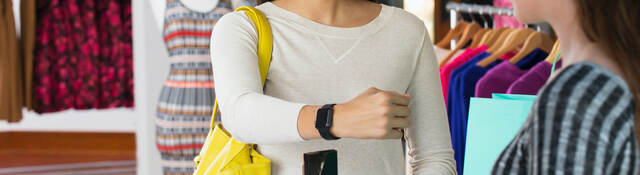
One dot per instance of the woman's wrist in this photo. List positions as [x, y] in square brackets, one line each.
[374, 114]
[335, 130]
[307, 121]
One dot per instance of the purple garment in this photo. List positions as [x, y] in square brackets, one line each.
[531, 82]
[498, 79]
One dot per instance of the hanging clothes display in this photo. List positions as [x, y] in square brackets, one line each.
[186, 101]
[445, 72]
[461, 89]
[533, 80]
[83, 55]
[498, 79]
[470, 80]
[481, 18]
[11, 82]
[500, 21]
[492, 63]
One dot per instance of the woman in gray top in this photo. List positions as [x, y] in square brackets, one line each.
[583, 119]
[374, 61]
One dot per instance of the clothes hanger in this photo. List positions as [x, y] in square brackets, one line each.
[452, 34]
[486, 36]
[467, 35]
[486, 30]
[554, 51]
[500, 40]
[547, 43]
[535, 40]
[484, 20]
[475, 42]
[489, 40]
[515, 39]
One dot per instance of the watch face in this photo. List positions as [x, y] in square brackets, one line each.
[329, 119]
[321, 118]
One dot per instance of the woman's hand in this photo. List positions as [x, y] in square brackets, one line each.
[374, 114]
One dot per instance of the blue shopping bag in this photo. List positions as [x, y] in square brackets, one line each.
[492, 124]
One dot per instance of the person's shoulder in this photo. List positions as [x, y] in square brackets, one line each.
[587, 91]
[585, 97]
[240, 18]
[234, 23]
[405, 20]
[403, 17]
[233, 18]
[586, 78]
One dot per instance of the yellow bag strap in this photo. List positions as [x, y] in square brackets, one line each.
[265, 47]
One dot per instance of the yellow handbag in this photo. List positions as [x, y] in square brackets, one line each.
[222, 154]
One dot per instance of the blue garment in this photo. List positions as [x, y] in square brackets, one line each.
[453, 81]
[461, 89]
[532, 59]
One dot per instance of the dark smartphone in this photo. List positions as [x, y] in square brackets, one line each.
[321, 163]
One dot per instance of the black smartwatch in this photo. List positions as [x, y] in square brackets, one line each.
[324, 120]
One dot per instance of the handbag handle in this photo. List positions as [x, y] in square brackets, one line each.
[265, 47]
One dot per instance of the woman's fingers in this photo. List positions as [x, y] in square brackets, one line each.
[400, 111]
[399, 99]
[397, 122]
[394, 134]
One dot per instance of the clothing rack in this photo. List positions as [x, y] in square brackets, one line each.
[455, 7]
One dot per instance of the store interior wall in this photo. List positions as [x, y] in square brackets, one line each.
[151, 68]
[423, 9]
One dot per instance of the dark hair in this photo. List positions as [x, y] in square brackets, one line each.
[614, 25]
[263, 1]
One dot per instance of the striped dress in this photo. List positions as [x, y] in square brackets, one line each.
[581, 123]
[186, 101]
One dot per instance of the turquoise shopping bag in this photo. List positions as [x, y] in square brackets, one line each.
[492, 124]
[513, 97]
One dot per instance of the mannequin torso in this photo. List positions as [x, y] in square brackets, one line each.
[159, 7]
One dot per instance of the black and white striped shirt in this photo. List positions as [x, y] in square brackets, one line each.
[581, 123]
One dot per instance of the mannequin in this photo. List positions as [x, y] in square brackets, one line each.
[159, 7]
[185, 104]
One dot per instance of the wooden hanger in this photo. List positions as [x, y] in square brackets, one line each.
[554, 51]
[535, 40]
[515, 39]
[467, 35]
[475, 42]
[452, 34]
[500, 40]
[486, 37]
[489, 40]
[547, 44]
